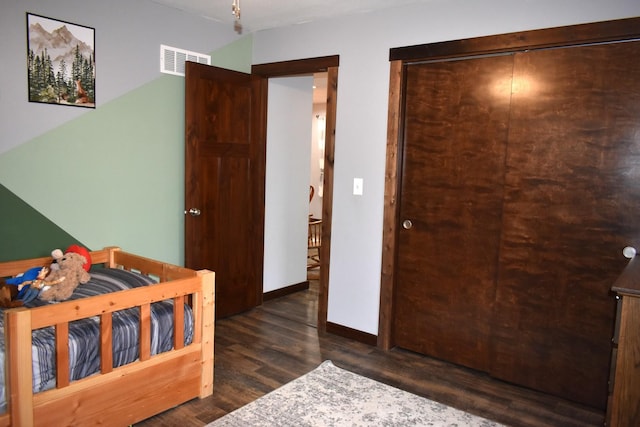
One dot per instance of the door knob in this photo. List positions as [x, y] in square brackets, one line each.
[629, 252]
[194, 212]
[407, 224]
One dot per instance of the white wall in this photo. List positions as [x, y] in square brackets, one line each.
[289, 106]
[128, 35]
[363, 43]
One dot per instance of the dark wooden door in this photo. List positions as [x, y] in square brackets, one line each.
[572, 197]
[224, 177]
[521, 178]
[455, 133]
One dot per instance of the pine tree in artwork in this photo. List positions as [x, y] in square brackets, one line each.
[62, 89]
[82, 71]
[74, 84]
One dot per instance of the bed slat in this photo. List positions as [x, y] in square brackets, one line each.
[106, 342]
[178, 322]
[62, 354]
[145, 332]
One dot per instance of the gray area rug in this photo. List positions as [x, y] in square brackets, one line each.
[331, 396]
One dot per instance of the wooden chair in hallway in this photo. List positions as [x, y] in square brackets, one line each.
[314, 243]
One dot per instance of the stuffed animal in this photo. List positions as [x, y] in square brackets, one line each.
[23, 288]
[23, 283]
[63, 280]
[79, 250]
[16, 291]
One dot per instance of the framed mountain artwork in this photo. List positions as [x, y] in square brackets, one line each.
[60, 62]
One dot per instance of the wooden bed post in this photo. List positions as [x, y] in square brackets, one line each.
[19, 375]
[112, 250]
[206, 301]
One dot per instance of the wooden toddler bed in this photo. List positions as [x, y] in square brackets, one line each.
[115, 395]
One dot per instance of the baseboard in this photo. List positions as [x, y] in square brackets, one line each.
[352, 334]
[285, 291]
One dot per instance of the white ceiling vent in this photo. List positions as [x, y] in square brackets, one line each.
[172, 59]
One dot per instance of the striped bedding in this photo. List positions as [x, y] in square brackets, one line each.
[84, 335]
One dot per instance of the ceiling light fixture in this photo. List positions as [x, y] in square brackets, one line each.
[235, 9]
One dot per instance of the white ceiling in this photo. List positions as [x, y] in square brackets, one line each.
[264, 14]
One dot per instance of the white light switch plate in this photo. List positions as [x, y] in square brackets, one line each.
[357, 186]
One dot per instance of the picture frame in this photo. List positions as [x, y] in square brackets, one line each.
[61, 65]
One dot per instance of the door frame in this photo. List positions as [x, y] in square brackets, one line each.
[607, 31]
[328, 64]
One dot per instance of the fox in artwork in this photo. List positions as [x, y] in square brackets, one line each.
[83, 96]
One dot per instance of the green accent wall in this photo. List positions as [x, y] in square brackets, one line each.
[30, 233]
[112, 177]
[235, 56]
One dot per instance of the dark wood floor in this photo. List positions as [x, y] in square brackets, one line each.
[260, 350]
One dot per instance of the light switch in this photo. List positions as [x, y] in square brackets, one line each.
[357, 186]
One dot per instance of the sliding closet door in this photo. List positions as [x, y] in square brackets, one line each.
[455, 130]
[572, 202]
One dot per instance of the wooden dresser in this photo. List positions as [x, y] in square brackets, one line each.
[624, 401]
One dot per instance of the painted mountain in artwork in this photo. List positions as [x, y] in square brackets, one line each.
[60, 45]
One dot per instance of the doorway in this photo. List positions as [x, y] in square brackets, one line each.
[288, 148]
[296, 111]
[328, 65]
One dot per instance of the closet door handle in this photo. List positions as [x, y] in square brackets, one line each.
[629, 252]
[194, 212]
[407, 224]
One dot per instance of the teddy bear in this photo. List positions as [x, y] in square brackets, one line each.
[70, 272]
